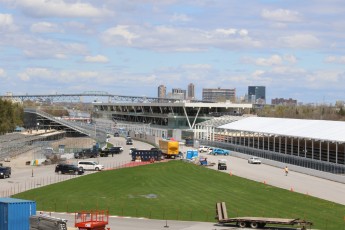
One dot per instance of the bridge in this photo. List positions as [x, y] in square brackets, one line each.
[95, 96]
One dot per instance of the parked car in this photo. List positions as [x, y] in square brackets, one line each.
[129, 142]
[86, 153]
[5, 172]
[116, 134]
[203, 149]
[220, 152]
[68, 169]
[90, 165]
[254, 160]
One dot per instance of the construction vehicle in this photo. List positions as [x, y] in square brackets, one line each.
[255, 222]
[91, 220]
[169, 148]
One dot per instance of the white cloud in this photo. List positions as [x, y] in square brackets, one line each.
[45, 27]
[119, 33]
[31, 73]
[281, 15]
[258, 73]
[335, 59]
[168, 38]
[59, 8]
[290, 58]
[300, 41]
[41, 74]
[273, 60]
[2, 72]
[197, 66]
[7, 23]
[226, 31]
[97, 58]
[42, 48]
[180, 18]
[6, 20]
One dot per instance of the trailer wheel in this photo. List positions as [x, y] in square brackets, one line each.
[254, 225]
[242, 224]
[262, 225]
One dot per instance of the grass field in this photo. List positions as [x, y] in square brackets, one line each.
[182, 191]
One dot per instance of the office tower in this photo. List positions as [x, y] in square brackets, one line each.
[162, 91]
[257, 94]
[219, 95]
[191, 92]
[179, 93]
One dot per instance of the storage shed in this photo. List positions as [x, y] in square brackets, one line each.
[15, 213]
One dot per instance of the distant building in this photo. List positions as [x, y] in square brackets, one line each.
[162, 91]
[219, 95]
[257, 94]
[179, 93]
[191, 91]
[282, 101]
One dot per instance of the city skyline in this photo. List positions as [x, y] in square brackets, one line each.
[295, 49]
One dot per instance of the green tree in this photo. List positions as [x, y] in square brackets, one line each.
[11, 115]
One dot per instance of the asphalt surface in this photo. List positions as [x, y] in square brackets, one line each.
[26, 177]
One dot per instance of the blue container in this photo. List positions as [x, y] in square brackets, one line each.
[15, 213]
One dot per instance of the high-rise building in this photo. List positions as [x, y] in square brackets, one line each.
[162, 91]
[219, 95]
[257, 94]
[191, 91]
[179, 93]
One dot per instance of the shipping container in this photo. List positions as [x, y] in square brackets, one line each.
[15, 213]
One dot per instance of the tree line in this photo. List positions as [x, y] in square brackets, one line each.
[319, 112]
[11, 115]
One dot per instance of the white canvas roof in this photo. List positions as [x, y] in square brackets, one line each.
[311, 129]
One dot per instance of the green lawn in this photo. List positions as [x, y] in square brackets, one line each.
[182, 191]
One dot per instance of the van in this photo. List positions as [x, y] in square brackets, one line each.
[90, 165]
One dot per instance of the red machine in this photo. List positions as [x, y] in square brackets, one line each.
[91, 220]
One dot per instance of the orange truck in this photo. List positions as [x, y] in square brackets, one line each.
[170, 149]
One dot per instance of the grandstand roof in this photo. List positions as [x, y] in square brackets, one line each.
[311, 129]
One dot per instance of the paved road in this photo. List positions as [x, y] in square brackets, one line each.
[27, 177]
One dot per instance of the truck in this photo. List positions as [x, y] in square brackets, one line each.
[256, 222]
[169, 148]
[146, 155]
[110, 151]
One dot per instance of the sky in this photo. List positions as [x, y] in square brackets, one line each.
[129, 47]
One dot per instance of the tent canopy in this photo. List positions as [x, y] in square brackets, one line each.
[310, 129]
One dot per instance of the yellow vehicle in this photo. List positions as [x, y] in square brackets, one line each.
[170, 149]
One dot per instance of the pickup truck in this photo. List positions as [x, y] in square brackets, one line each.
[86, 153]
[112, 150]
[5, 172]
[220, 152]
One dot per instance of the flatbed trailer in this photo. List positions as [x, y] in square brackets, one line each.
[255, 222]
